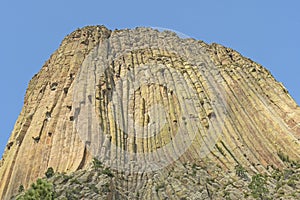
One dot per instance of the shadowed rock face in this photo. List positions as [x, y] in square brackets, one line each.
[145, 103]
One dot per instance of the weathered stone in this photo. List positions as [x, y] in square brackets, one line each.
[150, 105]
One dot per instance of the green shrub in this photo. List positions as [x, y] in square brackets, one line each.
[97, 164]
[108, 172]
[21, 189]
[50, 172]
[40, 190]
[240, 171]
[277, 175]
[258, 187]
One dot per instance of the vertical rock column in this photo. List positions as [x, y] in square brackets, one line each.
[43, 135]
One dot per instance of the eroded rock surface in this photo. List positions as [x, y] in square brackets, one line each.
[145, 103]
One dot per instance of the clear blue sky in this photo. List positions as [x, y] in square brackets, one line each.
[267, 31]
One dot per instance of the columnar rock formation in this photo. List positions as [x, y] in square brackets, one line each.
[144, 102]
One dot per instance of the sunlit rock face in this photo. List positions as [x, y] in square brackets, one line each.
[145, 103]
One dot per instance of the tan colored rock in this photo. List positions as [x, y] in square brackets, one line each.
[142, 101]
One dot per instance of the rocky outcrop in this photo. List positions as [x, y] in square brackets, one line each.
[145, 103]
[187, 181]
